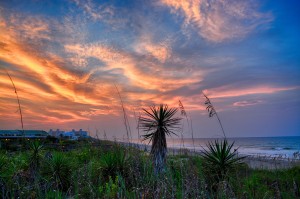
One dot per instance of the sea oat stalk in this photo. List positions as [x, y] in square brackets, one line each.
[212, 111]
[126, 122]
[183, 113]
[20, 110]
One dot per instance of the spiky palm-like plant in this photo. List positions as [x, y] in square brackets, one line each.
[220, 158]
[36, 148]
[114, 162]
[157, 123]
[59, 169]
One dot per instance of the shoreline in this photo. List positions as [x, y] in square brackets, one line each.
[262, 162]
[253, 161]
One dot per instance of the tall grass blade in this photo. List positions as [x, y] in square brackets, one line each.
[212, 111]
[184, 113]
[126, 122]
[20, 110]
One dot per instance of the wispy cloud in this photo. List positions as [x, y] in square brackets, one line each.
[247, 103]
[228, 91]
[48, 77]
[161, 51]
[129, 65]
[96, 12]
[46, 86]
[217, 21]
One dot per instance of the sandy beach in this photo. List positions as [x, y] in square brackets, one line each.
[257, 162]
[254, 162]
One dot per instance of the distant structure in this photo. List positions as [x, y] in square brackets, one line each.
[80, 133]
[8, 134]
[70, 135]
[57, 133]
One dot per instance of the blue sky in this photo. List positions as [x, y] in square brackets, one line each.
[66, 57]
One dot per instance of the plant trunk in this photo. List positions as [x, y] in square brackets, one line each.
[159, 151]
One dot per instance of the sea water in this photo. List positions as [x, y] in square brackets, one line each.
[284, 147]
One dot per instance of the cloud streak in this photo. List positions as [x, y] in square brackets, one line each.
[229, 92]
[247, 103]
[217, 21]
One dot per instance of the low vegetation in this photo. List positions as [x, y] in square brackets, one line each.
[110, 170]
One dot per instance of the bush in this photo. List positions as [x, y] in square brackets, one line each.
[114, 162]
[58, 169]
[220, 159]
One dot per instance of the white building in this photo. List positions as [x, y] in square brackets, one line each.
[80, 133]
[71, 135]
[57, 133]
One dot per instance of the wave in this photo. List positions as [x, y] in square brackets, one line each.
[278, 148]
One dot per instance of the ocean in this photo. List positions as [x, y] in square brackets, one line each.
[284, 147]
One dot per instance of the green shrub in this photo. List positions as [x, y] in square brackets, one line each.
[54, 195]
[113, 188]
[58, 169]
[35, 157]
[219, 159]
[114, 162]
[3, 163]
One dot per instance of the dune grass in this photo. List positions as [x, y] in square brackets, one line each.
[18, 100]
[124, 172]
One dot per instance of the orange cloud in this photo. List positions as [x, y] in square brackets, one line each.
[116, 59]
[160, 51]
[47, 70]
[43, 80]
[225, 91]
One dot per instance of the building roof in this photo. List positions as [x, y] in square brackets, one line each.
[26, 133]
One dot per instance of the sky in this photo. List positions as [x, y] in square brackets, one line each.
[69, 58]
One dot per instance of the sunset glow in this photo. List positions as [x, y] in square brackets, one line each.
[66, 59]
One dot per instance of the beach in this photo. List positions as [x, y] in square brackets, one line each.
[261, 153]
[254, 162]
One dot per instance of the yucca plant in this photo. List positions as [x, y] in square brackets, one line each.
[3, 171]
[157, 123]
[114, 162]
[3, 162]
[220, 158]
[36, 148]
[59, 169]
